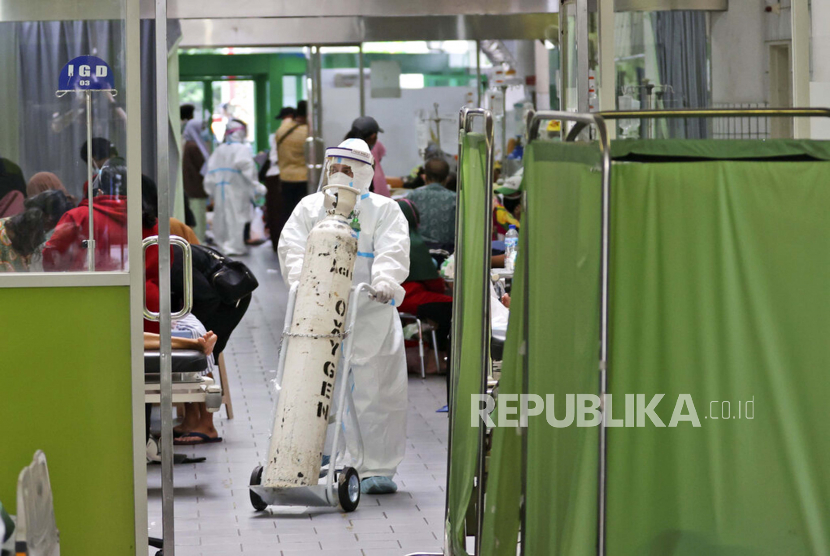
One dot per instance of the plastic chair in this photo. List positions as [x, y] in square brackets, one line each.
[429, 328]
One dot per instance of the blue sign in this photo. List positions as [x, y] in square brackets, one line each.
[86, 73]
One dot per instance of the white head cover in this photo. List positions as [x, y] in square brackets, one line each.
[355, 154]
[235, 132]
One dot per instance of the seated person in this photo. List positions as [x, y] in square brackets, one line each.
[203, 342]
[415, 179]
[499, 314]
[65, 249]
[436, 205]
[215, 314]
[424, 287]
[513, 204]
[452, 182]
[11, 204]
[47, 181]
[11, 178]
[208, 311]
[508, 210]
[197, 425]
[209, 306]
[103, 150]
[21, 237]
[53, 204]
[149, 195]
[502, 219]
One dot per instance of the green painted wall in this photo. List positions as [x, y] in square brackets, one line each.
[266, 70]
[65, 389]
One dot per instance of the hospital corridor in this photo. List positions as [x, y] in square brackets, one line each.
[214, 513]
[414, 278]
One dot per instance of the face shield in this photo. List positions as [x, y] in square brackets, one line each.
[350, 166]
[111, 179]
[236, 132]
[339, 172]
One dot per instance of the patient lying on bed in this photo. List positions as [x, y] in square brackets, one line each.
[203, 343]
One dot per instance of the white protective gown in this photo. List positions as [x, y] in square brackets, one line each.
[231, 181]
[379, 362]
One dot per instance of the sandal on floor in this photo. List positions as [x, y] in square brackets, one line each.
[201, 437]
[154, 454]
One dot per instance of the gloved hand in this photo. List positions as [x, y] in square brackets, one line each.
[384, 291]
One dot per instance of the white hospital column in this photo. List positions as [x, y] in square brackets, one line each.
[542, 68]
[820, 80]
[821, 41]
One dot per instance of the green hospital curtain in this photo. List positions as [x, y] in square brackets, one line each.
[561, 240]
[470, 292]
[719, 290]
[501, 517]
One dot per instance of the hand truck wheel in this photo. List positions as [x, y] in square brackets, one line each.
[256, 479]
[348, 489]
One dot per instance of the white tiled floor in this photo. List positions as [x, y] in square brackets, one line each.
[213, 512]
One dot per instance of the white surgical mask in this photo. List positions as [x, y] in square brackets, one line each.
[341, 178]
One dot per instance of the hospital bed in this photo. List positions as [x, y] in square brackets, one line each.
[189, 386]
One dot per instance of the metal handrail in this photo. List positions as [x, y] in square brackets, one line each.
[187, 263]
[534, 120]
[717, 112]
[706, 113]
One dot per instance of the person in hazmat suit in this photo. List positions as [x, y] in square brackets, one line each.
[379, 360]
[231, 181]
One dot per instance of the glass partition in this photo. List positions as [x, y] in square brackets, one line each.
[64, 96]
[234, 99]
[662, 63]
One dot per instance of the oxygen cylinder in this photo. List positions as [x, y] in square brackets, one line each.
[313, 347]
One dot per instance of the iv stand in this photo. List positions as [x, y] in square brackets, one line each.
[437, 120]
[89, 244]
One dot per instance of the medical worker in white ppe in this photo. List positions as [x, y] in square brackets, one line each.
[379, 361]
[231, 181]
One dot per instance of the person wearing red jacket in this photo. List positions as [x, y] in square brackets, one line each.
[65, 250]
[424, 287]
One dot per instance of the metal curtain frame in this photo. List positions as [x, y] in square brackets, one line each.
[465, 122]
[165, 340]
[534, 119]
[707, 113]
[361, 71]
[598, 120]
[314, 164]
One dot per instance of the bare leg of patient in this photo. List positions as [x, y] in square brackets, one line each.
[196, 418]
[204, 344]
